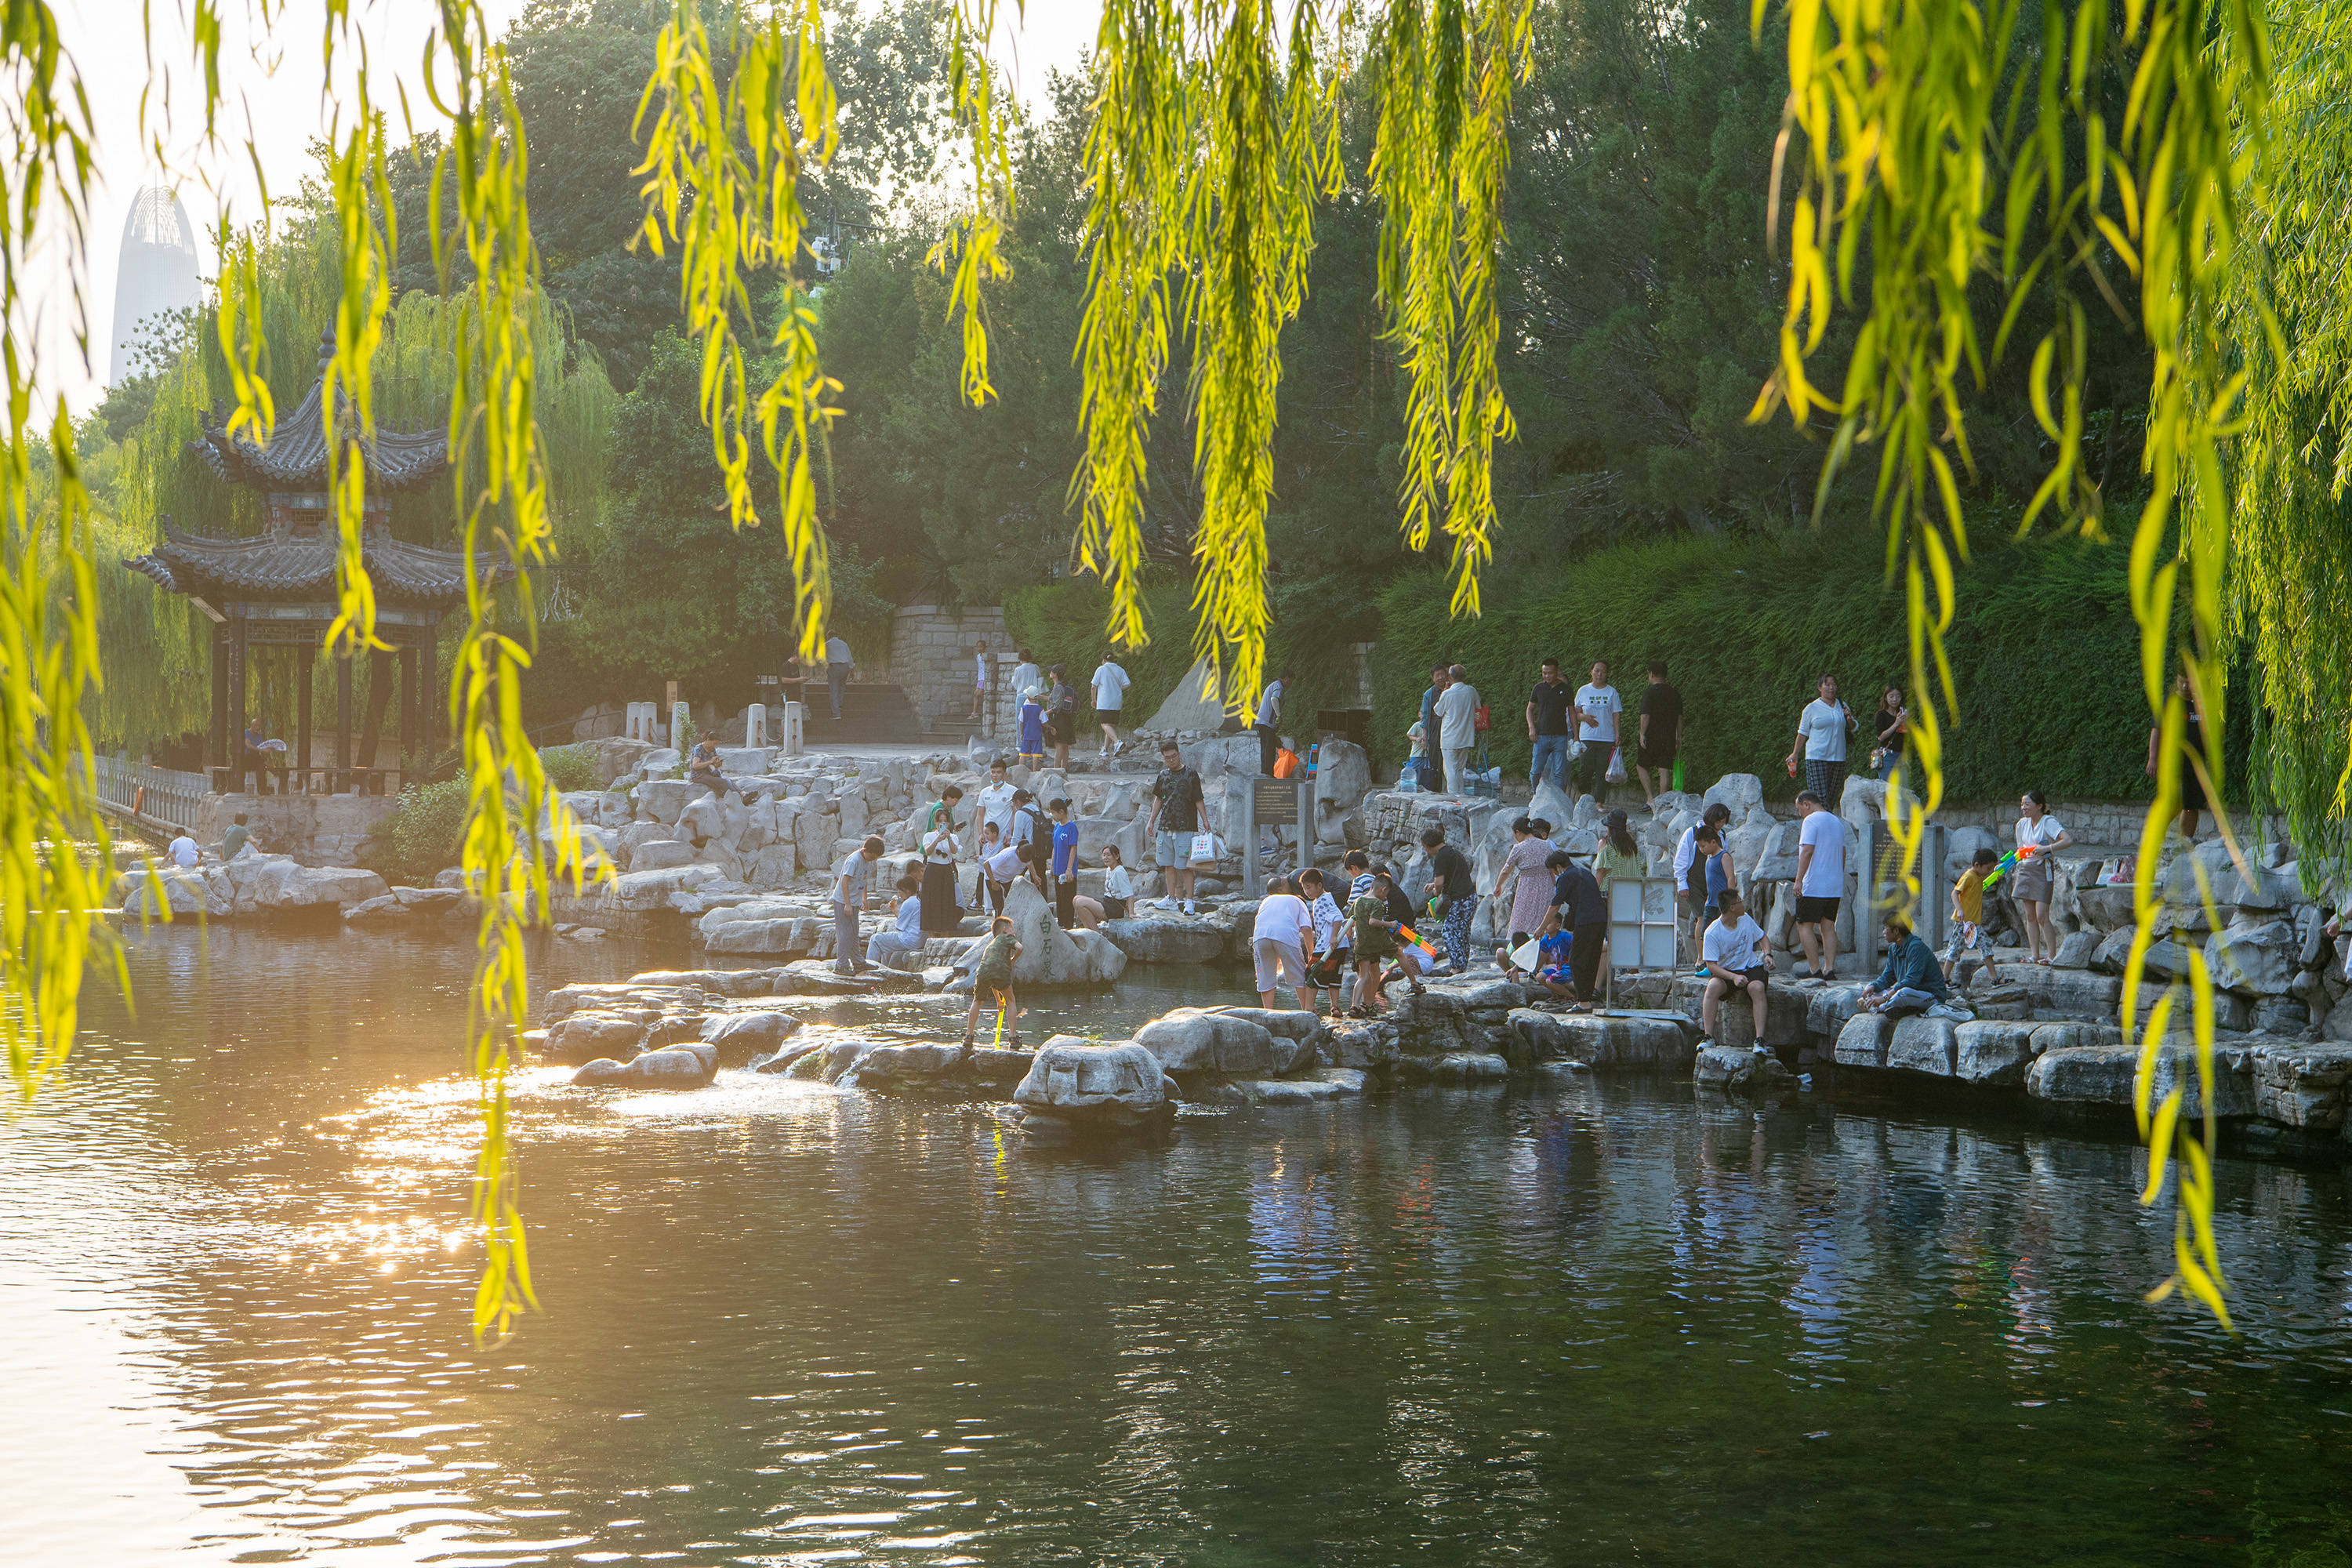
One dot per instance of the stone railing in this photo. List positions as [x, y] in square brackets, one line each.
[161, 797]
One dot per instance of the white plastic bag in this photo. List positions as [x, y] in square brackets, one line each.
[1205, 850]
[1616, 764]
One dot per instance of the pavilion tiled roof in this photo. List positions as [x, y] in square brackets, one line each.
[289, 567]
[296, 456]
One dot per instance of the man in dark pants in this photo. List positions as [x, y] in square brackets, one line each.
[1269, 723]
[838, 668]
[1584, 913]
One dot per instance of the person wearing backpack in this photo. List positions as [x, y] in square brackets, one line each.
[1061, 719]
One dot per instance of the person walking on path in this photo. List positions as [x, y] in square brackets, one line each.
[1268, 727]
[1967, 920]
[980, 681]
[838, 670]
[940, 848]
[1279, 944]
[1821, 882]
[1732, 951]
[1548, 729]
[2193, 800]
[1064, 863]
[1910, 983]
[1597, 708]
[1659, 740]
[1452, 888]
[1061, 718]
[905, 933]
[1894, 730]
[1584, 915]
[2045, 835]
[991, 982]
[1457, 727]
[1110, 695]
[1176, 798]
[853, 889]
[1522, 876]
[1431, 764]
[1687, 900]
[1821, 732]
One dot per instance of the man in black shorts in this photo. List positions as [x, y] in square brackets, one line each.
[1821, 882]
[1660, 735]
[1738, 965]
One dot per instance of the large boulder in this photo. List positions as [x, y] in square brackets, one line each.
[1343, 776]
[1721, 1066]
[1073, 1088]
[740, 1037]
[663, 800]
[1993, 1052]
[1051, 956]
[1223, 1040]
[2302, 1085]
[1923, 1044]
[672, 1067]
[1743, 792]
[1862, 1043]
[2257, 958]
[1625, 1042]
[1159, 939]
[2103, 1074]
[201, 891]
[659, 854]
[582, 1037]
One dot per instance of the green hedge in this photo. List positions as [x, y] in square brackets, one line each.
[2043, 648]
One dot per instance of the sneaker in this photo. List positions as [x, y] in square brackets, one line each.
[1192, 908]
[1757, 1049]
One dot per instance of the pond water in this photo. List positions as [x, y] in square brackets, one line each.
[1597, 1324]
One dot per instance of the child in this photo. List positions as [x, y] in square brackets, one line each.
[1553, 948]
[1118, 886]
[1065, 862]
[991, 980]
[1375, 944]
[1033, 732]
[1329, 971]
[1968, 918]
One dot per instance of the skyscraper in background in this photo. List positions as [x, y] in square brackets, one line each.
[157, 273]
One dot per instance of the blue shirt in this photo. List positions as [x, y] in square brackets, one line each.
[1033, 728]
[1066, 847]
[1552, 950]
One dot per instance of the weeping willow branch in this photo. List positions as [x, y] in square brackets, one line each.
[971, 250]
[56, 859]
[737, 151]
[1897, 107]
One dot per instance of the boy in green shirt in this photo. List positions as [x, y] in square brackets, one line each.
[1375, 944]
[992, 980]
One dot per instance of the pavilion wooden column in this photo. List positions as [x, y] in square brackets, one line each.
[380, 684]
[342, 721]
[410, 754]
[218, 754]
[429, 698]
[238, 780]
[305, 666]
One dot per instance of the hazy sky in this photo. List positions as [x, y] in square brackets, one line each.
[274, 86]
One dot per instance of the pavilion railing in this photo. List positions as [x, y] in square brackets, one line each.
[164, 795]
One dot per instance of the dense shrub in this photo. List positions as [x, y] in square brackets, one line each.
[425, 833]
[2043, 648]
[570, 768]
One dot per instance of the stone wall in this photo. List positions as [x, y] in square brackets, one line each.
[930, 655]
[315, 829]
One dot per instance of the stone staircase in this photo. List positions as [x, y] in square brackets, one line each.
[871, 714]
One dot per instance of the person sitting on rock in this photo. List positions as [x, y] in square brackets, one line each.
[906, 934]
[991, 982]
[1119, 886]
[702, 767]
[1554, 949]
[1911, 982]
[1735, 960]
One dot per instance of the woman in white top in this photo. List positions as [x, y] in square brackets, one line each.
[938, 885]
[2045, 835]
[1821, 732]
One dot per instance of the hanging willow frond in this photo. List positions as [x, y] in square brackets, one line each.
[52, 888]
[1439, 155]
[722, 181]
[971, 252]
[1897, 106]
[1136, 150]
[1272, 150]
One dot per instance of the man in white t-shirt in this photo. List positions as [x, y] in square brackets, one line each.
[1733, 953]
[1457, 727]
[1110, 693]
[1821, 882]
[1280, 941]
[980, 679]
[185, 853]
[993, 801]
[1598, 707]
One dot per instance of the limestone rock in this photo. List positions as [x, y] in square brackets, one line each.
[672, 1067]
[2075, 950]
[585, 1037]
[1862, 1043]
[1993, 1053]
[1628, 1042]
[740, 1037]
[1721, 1066]
[1217, 1039]
[662, 800]
[2303, 1086]
[1072, 1089]
[2102, 1074]
[1742, 792]
[660, 854]
[1923, 1044]
[2253, 957]
[1156, 938]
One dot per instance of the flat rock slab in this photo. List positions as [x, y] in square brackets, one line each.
[1745, 1069]
[1629, 1042]
[2103, 1074]
[1176, 939]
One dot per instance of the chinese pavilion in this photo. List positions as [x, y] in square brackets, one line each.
[273, 595]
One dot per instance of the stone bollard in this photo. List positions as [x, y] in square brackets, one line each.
[755, 724]
[642, 722]
[794, 738]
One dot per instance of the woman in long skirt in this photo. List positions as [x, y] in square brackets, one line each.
[941, 913]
